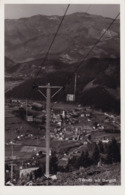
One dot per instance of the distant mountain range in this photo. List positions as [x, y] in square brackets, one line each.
[29, 38]
[98, 83]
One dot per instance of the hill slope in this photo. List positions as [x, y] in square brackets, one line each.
[98, 84]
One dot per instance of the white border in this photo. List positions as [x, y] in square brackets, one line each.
[62, 1]
[34, 190]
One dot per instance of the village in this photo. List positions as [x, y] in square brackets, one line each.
[72, 129]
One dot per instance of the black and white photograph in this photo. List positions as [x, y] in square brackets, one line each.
[62, 65]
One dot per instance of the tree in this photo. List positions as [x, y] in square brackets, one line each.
[112, 150]
[94, 153]
[81, 159]
[73, 163]
[115, 150]
[86, 160]
[100, 147]
[53, 163]
[39, 172]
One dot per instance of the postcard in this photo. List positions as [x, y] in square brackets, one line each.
[62, 98]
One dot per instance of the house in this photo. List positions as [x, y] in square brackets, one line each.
[14, 101]
[37, 106]
[9, 183]
[25, 172]
[105, 140]
[29, 118]
[62, 164]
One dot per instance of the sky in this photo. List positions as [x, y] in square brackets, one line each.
[16, 11]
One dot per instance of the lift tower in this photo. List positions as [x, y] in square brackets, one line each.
[48, 98]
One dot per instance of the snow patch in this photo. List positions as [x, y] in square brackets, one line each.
[53, 18]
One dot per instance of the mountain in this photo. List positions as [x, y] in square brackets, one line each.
[29, 38]
[98, 76]
[8, 64]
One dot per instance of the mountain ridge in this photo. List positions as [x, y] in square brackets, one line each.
[31, 37]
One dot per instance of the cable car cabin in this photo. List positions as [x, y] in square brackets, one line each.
[70, 98]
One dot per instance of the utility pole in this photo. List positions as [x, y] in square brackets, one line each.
[48, 94]
[75, 85]
[11, 171]
[11, 176]
[26, 109]
[48, 98]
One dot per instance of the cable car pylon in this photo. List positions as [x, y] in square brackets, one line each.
[48, 98]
